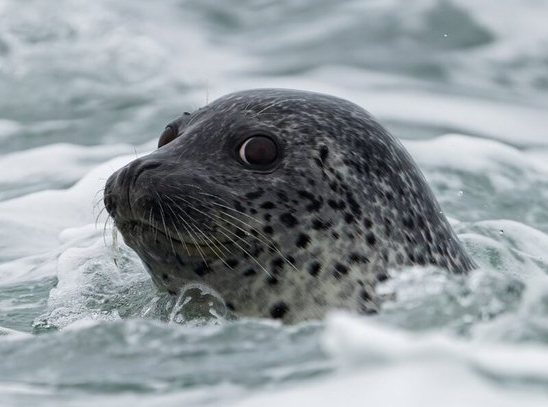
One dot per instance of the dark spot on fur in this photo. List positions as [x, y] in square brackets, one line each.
[315, 203]
[278, 310]
[230, 306]
[353, 204]
[340, 269]
[443, 263]
[165, 277]
[268, 229]
[428, 235]
[171, 292]
[421, 260]
[232, 263]
[249, 272]
[324, 151]
[277, 264]
[317, 224]
[289, 220]
[364, 295]
[387, 226]
[382, 277]
[334, 186]
[282, 195]
[357, 258]
[371, 239]
[254, 194]
[408, 222]
[314, 206]
[302, 240]
[314, 268]
[202, 269]
[367, 223]
[337, 205]
[268, 205]
[238, 206]
[348, 217]
[306, 195]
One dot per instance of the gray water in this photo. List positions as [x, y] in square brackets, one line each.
[87, 86]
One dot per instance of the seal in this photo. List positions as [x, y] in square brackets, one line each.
[287, 203]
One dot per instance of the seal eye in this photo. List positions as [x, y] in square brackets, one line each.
[258, 151]
[167, 136]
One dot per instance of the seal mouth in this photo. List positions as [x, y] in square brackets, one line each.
[182, 245]
[199, 250]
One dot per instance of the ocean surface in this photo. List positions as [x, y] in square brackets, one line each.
[86, 86]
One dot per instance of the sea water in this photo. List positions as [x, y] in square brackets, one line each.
[87, 86]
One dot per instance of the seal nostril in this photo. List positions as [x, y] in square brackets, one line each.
[119, 186]
[137, 168]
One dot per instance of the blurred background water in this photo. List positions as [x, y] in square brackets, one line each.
[87, 86]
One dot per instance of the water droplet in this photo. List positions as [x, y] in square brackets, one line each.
[501, 232]
[461, 193]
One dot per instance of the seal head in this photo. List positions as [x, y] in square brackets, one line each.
[287, 203]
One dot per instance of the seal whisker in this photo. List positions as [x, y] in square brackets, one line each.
[153, 224]
[162, 217]
[207, 215]
[98, 199]
[105, 228]
[228, 237]
[268, 242]
[207, 241]
[188, 227]
[227, 207]
[239, 212]
[103, 209]
[249, 254]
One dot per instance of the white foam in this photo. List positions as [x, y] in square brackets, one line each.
[57, 163]
[384, 366]
[472, 154]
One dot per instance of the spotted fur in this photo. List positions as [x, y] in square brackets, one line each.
[345, 203]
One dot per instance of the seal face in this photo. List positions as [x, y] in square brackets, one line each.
[288, 203]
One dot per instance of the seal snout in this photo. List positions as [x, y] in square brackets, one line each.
[119, 187]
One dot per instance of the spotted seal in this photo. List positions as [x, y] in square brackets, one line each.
[287, 203]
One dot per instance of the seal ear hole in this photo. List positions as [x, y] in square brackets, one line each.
[258, 151]
[167, 136]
